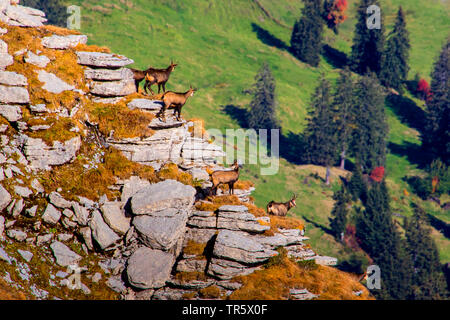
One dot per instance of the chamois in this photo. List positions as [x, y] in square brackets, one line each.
[225, 177]
[281, 208]
[159, 77]
[138, 76]
[175, 100]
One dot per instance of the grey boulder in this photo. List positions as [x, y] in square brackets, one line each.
[148, 268]
[101, 232]
[64, 256]
[63, 42]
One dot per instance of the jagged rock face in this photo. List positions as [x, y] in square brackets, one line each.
[42, 156]
[168, 194]
[148, 268]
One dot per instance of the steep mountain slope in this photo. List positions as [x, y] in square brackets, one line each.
[99, 199]
[220, 46]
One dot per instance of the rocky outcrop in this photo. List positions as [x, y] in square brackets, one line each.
[16, 15]
[63, 42]
[42, 156]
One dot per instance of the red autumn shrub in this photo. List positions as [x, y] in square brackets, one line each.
[377, 174]
[423, 88]
[336, 12]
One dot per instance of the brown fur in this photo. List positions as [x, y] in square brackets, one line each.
[225, 177]
[159, 77]
[175, 100]
[138, 76]
[281, 208]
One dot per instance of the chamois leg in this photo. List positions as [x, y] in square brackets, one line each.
[136, 82]
[148, 86]
[178, 110]
[164, 87]
[159, 87]
[231, 187]
[162, 113]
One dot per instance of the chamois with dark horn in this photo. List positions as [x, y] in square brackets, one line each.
[159, 77]
[175, 100]
[225, 177]
[281, 208]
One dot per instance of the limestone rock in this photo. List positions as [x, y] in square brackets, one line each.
[101, 232]
[58, 201]
[5, 60]
[51, 214]
[239, 219]
[26, 255]
[24, 16]
[113, 88]
[301, 294]
[86, 233]
[226, 269]
[241, 248]
[102, 60]
[131, 186]
[2, 226]
[12, 79]
[115, 217]
[81, 214]
[163, 145]
[52, 83]
[145, 104]
[39, 61]
[64, 256]
[148, 268]
[42, 156]
[5, 198]
[63, 42]
[108, 74]
[161, 196]
[160, 232]
[14, 95]
[18, 235]
[23, 191]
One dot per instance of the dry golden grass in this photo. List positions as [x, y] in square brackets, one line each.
[119, 118]
[171, 171]
[274, 282]
[198, 129]
[92, 48]
[9, 293]
[59, 130]
[211, 292]
[75, 180]
[185, 277]
[194, 248]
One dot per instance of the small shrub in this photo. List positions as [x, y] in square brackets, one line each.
[308, 264]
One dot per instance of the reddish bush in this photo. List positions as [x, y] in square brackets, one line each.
[377, 174]
[423, 88]
[336, 12]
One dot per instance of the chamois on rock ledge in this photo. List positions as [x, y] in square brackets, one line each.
[225, 177]
[175, 100]
[281, 208]
[159, 77]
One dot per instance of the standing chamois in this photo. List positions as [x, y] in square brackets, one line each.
[159, 77]
[175, 100]
[225, 177]
[138, 76]
[281, 208]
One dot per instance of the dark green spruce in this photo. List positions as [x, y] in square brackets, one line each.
[394, 70]
[339, 214]
[368, 44]
[370, 133]
[436, 136]
[262, 109]
[306, 39]
[320, 133]
[428, 282]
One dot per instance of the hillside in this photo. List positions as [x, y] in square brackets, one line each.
[100, 199]
[220, 46]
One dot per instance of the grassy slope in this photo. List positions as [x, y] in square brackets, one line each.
[219, 52]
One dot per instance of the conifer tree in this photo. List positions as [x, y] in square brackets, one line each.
[344, 114]
[320, 135]
[368, 44]
[428, 281]
[262, 109]
[357, 186]
[55, 10]
[436, 136]
[339, 214]
[306, 38]
[371, 129]
[395, 67]
[381, 240]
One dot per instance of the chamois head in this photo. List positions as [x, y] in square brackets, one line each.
[191, 91]
[292, 201]
[172, 65]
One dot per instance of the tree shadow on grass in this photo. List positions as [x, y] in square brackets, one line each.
[317, 225]
[413, 152]
[267, 38]
[291, 144]
[439, 225]
[334, 57]
[407, 110]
